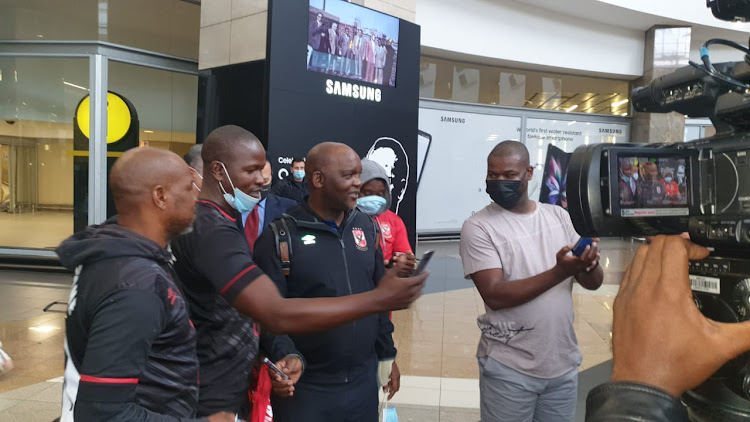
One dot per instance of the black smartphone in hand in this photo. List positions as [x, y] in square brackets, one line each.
[424, 261]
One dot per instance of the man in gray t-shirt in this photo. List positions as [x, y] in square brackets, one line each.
[517, 252]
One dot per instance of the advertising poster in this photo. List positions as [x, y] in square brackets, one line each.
[554, 178]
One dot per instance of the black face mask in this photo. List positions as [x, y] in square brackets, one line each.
[264, 191]
[506, 193]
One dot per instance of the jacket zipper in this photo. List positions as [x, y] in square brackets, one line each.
[348, 280]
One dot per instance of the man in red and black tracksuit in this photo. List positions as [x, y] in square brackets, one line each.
[335, 254]
[130, 344]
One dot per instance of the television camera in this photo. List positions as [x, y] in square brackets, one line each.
[701, 187]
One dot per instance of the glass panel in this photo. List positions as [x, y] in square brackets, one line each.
[166, 104]
[472, 83]
[48, 20]
[38, 99]
[165, 26]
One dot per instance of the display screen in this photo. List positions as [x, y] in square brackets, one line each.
[353, 42]
[653, 186]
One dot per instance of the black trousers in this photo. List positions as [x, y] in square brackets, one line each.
[355, 401]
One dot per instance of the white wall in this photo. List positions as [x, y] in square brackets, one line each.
[688, 11]
[526, 34]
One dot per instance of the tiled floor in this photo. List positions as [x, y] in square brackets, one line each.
[436, 338]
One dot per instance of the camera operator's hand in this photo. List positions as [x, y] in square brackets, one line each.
[395, 293]
[571, 265]
[658, 330]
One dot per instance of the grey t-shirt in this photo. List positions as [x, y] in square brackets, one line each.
[536, 338]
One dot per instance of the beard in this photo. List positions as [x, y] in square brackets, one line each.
[180, 225]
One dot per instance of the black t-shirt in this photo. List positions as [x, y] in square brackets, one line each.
[214, 264]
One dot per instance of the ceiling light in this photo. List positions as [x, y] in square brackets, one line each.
[571, 108]
[75, 86]
[619, 103]
[624, 114]
[148, 131]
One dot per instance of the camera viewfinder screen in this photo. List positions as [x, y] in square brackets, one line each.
[653, 186]
[353, 42]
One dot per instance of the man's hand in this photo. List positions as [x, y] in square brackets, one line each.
[222, 417]
[405, 263]
[394, 381]
[657, 328]
[292, 366]
[571, 265]
[395, 293]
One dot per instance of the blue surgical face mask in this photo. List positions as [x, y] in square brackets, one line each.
[241, 201]
[372, 205]
[635, 176]
[299, 174]
[626, 179]
[668, 179]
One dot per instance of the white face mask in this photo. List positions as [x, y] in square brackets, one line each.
[241, 201]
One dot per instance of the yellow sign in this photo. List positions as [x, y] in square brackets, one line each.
[118, 117]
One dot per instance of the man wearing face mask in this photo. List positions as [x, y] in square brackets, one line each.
[224, 286]
[375, 201]
[517, 252]
[268, 209]
[293, 186]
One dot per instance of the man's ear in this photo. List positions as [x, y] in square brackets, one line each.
[217, 170]
[159, 197]
[530, 173]
[317, 179]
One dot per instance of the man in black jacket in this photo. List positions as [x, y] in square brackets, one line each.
[130, 344]
[335, 254]
[656, 332]
[221, 280]
[293, 186]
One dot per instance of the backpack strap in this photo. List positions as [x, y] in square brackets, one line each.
[378, 238]
[283, 244]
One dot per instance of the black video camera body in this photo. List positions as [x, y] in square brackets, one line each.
[700, 187]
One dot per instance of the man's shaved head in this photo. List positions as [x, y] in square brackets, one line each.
[511, 149]
[135, 175]
[223, 142]
[333, 177]
[319, 157]
[154, 193]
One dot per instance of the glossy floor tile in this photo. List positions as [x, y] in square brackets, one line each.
[436, 337]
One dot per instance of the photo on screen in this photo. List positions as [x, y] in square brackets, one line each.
[653, 186]
[353, 42]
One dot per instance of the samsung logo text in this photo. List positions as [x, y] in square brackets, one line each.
[346, 89]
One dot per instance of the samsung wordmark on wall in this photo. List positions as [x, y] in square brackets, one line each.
[346, 89]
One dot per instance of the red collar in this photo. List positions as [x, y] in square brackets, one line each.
[202, 201]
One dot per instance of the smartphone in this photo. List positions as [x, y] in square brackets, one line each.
[275, 369]
[580, 246]
[423, 263]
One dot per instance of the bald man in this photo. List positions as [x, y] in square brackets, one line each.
[336, 253]
[224, 285]
[517, 252]
[130, 345]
